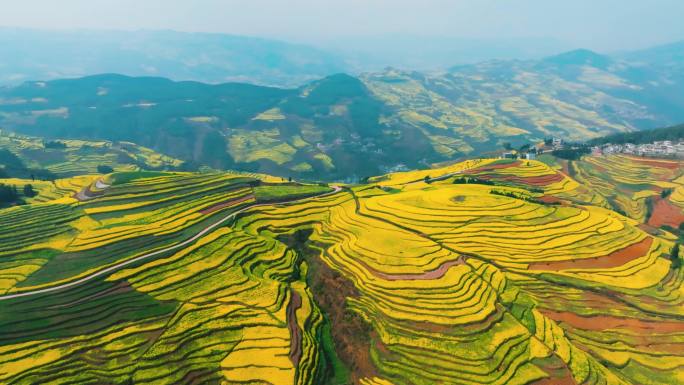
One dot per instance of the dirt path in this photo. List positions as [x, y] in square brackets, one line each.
[86, 194]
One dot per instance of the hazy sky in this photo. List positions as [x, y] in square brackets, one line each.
[604, 25]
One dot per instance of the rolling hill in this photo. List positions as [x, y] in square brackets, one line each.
[64, 158]
[492, 271]
[343, 127]
[330, 129]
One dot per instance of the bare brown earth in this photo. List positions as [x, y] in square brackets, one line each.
[665, 213]
[614, 259]
[352, 336]
[542, 180]
[558, 372]
[492, 167]
[225, 204]
[551, 199]
[293, 327]
[603, 322]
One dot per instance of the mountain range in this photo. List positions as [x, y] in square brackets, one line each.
[348, 127]
[213, 58]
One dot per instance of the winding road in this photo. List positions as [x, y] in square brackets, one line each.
[120, 265]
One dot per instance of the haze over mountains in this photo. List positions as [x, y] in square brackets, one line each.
[30, 54]
[213, 58]
[337, 126]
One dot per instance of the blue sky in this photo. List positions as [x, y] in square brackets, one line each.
[604, 25]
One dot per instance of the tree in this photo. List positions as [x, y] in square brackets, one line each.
[104, 169]
[29, 191]
[8, 193]
[571, 154]
[55, 144]
[427, 179]
[674, 257]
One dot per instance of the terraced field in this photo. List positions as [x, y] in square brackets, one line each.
[483, 272]
[641, 188]
[78, 157]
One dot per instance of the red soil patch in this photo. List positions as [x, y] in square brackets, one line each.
[665, 213]
[541, 180]
[670, 165]
[295, 334]
[492, 167]
[614, 259]
[550, 199]
[603, 322]
[564, 379]
[437, 273]
[225, 204]
[352, 335]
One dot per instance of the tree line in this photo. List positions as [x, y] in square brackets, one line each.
[11, 166]
[674, 133]
[9, 194]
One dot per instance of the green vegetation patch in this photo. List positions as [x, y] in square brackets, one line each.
[274, 193]
[129, 176]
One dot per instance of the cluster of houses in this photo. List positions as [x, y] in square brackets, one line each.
[665, 148]
[531, 153]
[519, 155]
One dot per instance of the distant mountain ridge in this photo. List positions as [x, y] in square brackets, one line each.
[207, 57]
[343, 127]
[329, 129]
